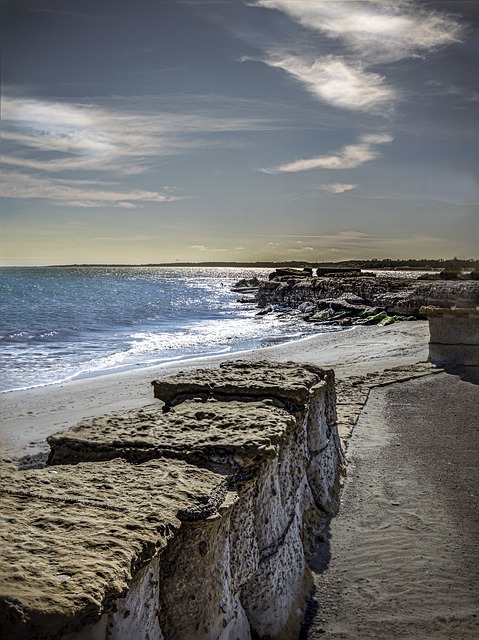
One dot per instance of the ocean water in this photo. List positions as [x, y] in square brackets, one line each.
[61, 323]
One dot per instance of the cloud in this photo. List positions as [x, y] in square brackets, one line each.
[466, 94]
[300, 249]
[67, 127]
[56, 166]
[82, 193]
[130, 239]
[349, 157]
[352, 243]
[338, 187]
[337, 82]
[44, 141]
[202, 247]
[52, 136]
[349, 236]
[378, 30]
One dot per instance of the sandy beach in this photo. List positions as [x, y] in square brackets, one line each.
[29, 416]
[400, 558]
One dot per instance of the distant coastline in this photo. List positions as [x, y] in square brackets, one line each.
[422, 264]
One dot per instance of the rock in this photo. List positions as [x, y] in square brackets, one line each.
[321, 316]
[291, 272]
[400, 296]
[339, 314]
[374, 319]
[246, 285]
[265, 311]
[307, 307]
[327, 272]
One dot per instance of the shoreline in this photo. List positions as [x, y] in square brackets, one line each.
[178, 360]
[28, 416]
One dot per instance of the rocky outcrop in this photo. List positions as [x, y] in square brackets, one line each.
[289, 272]
[246, 285]
[400, 296]
[188, 519]
[454, 335]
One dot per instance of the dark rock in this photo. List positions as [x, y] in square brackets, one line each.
[265, 311]
[290, 271]
[396, 296]
[429, 276]
[338, 271]
[307, 307]
[246, 286]
[448, 275]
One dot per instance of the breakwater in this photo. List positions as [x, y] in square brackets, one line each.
[191, 517]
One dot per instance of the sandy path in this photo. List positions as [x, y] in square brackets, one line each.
[402, 558]
[27, 417]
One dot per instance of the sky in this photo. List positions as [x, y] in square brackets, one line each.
[238, 130]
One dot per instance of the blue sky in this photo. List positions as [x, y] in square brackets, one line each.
[199, 130]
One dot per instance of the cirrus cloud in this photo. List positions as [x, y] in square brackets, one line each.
[43, 141]
[81, 193]
[350, 156]
[338, 187]
[378, 30]
[335, 81]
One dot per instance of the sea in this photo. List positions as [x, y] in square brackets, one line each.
[61, 323]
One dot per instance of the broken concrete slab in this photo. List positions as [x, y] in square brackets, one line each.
[288, 382]
[73, 537]
[225, 436]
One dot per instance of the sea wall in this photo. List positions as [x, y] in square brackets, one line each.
[454, 335]
[394, 295]
[189, 518]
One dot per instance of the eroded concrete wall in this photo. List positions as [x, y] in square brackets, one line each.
[188, 519]
[454, 335]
